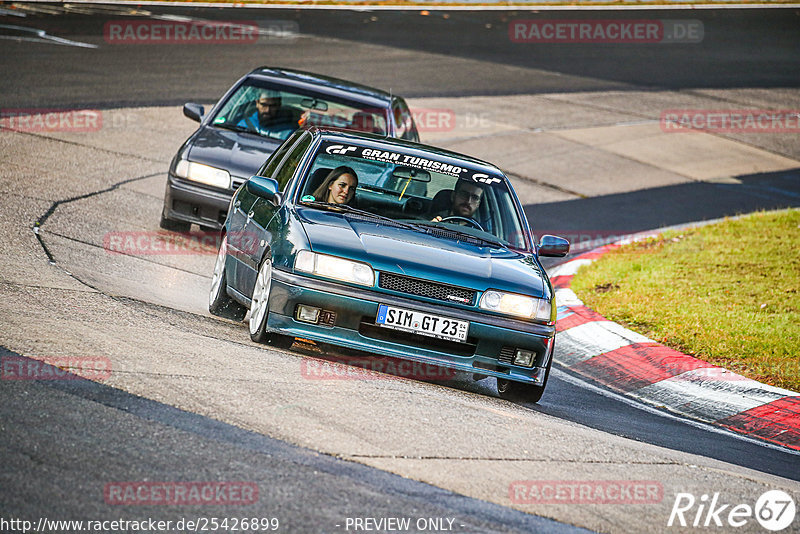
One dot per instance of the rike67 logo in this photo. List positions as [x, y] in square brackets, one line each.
[774, 510]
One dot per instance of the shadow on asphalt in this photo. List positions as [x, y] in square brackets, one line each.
[65, 439]
[564, 400]
[587, 219]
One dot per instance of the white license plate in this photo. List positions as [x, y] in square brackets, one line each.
[422, 323]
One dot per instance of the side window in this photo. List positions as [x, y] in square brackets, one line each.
[268, 169]
[406, 129]
[286, 171]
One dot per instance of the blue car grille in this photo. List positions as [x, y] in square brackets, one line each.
[425, 288]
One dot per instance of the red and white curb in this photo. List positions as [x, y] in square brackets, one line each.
[594, 347]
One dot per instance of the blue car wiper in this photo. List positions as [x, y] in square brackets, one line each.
[369, 214]
[452, 233]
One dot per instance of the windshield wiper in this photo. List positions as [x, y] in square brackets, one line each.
[419, 227]
[235, 128]
[440, 230]
[351, 209]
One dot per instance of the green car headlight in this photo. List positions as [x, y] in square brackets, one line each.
[516, 305]
[334, 267]
[205, 174]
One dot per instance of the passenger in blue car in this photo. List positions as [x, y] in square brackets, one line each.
[464, 202]
[339, 187]
[269, 114]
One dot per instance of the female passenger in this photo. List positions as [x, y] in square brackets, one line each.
[339, 187]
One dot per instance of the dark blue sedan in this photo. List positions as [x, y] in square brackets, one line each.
[251, 120]
[394, 248]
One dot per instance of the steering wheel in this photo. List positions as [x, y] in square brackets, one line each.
[471, 222]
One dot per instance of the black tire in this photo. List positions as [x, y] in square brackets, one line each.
[518, 391]
[521, 392]
[279, 341]
[219, 303]
[174, 226]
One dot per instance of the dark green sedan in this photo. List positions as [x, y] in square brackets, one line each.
[394, 248]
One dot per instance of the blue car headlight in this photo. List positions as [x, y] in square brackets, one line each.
[516, 305]
[334, 267]
[204, 174]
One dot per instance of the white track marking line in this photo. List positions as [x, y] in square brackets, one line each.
[40, 36]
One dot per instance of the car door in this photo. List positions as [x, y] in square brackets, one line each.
[241, 244]
[259, 221]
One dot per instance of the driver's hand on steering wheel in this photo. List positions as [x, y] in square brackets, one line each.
[438, 218]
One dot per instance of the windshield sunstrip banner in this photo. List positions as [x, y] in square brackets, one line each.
[407, 160]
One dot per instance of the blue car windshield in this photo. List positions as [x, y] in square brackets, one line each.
[276, 111]
[441, 195]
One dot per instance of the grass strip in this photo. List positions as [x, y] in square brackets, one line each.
[726, 293]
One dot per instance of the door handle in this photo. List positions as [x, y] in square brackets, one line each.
[250, 215]
[237, 204]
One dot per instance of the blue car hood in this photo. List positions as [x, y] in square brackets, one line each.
[239, 153]
[419, 255]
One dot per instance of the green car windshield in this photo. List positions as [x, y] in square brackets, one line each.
[439, 195]
[277, 111]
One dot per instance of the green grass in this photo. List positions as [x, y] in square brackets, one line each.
[727, 293]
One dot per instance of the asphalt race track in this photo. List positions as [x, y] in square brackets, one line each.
[191, 400]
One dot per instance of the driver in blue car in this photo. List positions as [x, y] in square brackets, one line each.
[464, 202]
[269, 114]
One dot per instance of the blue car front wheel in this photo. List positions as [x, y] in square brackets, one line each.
[259, 309]
[259, 306]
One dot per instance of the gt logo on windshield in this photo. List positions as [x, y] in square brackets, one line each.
[339, 149]
[484, 178]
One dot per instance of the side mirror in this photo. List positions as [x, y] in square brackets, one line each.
[266, 188]
[552, 246]
[194, 111]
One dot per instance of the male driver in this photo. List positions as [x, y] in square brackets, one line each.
[464, 201]
[269, 114]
